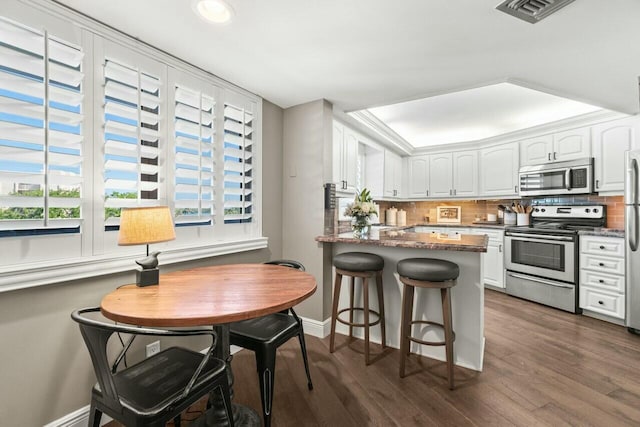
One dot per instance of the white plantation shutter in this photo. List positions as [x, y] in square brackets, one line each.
[131, 138]
[238, 130]
[194, 125]
[41, 93]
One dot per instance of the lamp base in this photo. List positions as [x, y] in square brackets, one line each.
[147, 277]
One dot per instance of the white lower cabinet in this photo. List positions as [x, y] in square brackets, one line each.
[493, 259]
[602, 281]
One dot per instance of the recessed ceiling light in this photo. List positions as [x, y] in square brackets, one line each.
[216, 11]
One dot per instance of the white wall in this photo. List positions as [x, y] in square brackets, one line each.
[307, 165]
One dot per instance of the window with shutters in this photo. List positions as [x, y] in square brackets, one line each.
[194, 159]
[238, 177]
[91, 123]
[131, 138]
[41, 135]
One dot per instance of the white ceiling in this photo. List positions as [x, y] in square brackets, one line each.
[365, 53]
[476, 114]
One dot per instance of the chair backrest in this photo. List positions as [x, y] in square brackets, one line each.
[96, 335]
[287, 263]
[293, 264]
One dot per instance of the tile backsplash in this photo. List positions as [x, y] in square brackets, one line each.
[472, 209]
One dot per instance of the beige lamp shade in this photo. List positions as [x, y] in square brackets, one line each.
[139, 226]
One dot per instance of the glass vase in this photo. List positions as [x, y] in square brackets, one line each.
[360, 227]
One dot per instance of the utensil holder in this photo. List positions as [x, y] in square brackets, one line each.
[523, 218]
[510, 218]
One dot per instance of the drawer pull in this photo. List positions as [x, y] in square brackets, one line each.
[601, 281]
[602, 247]
[600, 302]
[601, 264]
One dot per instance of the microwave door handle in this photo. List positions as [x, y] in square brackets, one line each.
[567, 179]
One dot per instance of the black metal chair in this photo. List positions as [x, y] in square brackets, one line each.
[263, 336]
[155, 390]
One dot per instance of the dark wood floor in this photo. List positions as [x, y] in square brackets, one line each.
[542, 367]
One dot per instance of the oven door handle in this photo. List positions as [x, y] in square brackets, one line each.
[536, 279]
[567, 179]
[535, 238]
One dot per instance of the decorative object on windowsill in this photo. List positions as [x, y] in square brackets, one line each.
[361, 211]
[143, 226]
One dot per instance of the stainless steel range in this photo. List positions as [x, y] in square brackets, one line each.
[542, 259]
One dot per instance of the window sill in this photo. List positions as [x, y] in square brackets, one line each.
[32, 275]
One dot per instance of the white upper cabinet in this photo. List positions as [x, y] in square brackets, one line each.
[610, 141]
[345, 158]
[441, 175]
[535, 151]
[418, 177]
[558, 147]
[499, 170]
[571, 145]
[392, 174]
[447, 175]
[465, 173]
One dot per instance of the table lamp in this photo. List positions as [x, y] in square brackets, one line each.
[143, 226]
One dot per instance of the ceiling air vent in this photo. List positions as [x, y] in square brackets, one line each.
[531, 10]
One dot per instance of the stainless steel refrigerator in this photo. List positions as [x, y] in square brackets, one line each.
[632, 238]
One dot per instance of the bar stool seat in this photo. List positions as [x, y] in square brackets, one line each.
[427, 273]
[365, 266]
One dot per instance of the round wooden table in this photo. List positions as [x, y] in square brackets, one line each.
[217, 296]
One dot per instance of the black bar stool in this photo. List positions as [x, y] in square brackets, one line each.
[365, 266]
[427, 273]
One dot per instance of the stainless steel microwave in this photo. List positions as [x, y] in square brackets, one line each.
[573, 177]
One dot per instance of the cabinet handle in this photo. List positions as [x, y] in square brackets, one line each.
[602, 247]
[601, 264]
[427, 193]
[554, 155]
[597, 183]
[601, 281]
[515, 188]
[499, 248]
[601, 302]
[455, 192]
[450, 192]
[549, 156]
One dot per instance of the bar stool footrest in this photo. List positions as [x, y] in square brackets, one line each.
[360, 325]
[428, 322]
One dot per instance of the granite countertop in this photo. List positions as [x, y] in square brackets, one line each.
[402, 239]
[603, 232]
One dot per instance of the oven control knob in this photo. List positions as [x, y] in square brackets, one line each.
[537, 210]
[595, 210]
[543, 210]
[588, 210]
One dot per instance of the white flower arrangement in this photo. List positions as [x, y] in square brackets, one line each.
[362, 206]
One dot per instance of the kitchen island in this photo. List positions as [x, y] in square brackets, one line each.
[467, 296]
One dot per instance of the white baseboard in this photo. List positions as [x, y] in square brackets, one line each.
[316, 328]
[77, 418]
